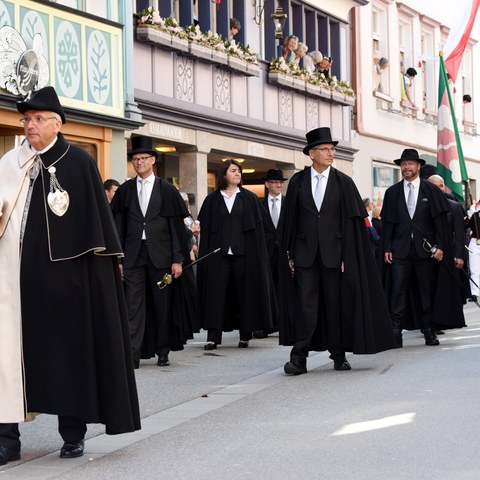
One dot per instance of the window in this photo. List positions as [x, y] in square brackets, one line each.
[384, 176]
[429, 84]
[101, 8]
[381, 78]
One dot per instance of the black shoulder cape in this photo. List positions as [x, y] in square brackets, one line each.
[366, 324]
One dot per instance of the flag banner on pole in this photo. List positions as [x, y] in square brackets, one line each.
[465, 13]
[450, 160]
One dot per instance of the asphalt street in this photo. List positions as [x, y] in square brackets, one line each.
[232, 413]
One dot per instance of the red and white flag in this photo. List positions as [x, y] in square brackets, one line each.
[465, 13]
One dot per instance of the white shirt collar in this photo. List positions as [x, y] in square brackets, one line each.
[415, 183]
[227, 196]
[279, 196]
[325, 173]
[149, 179]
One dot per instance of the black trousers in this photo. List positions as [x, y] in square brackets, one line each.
[231, 279]
[402, 271]
[71, 429]
[319, 293]
[142, 276]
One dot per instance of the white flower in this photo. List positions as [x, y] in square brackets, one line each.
[156, 18]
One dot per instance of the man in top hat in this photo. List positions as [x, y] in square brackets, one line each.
[64, 346]
[414, 236]
[329, 282]
[271, 209]
[149, 215]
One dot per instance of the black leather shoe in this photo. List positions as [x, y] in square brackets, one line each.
[136, 364]
[210, 346]
[473, 298]
[72, 449]
[7, 455]
[291, 369]
[430, 337]
[163, 361]
[341, 364]
[243, 344]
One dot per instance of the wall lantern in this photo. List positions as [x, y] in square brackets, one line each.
[279, 18]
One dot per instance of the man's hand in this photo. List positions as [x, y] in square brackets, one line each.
[120, 266]
[438, 255]
[388, 257]
[176, 269]
[459, 263]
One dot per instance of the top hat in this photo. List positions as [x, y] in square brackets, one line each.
[142, 144]
[318, 137]
[45, 99]
[274, 174]
[410, 154]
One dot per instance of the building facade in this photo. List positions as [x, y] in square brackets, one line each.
[201, 105]
[79, 48]
[410, 34]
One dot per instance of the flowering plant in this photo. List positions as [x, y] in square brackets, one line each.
[192, 33]
[279, 65]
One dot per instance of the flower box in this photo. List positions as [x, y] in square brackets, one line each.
[200, 51]
[160, 37]
[253, 69]
[237, 64]
[342, 99]
[278, 78]
[325, 93]
[312, 89]
[154, 35]
[299, 84]
[179, 44]
[219, 57]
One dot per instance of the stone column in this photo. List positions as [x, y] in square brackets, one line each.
[192, 172]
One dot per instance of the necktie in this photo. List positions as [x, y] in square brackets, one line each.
[319, 192]
[274, 213]
[142, 197]
[411, 200]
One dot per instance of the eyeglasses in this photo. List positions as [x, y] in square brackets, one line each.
[36, 120]
[325, 150]
[141, 159]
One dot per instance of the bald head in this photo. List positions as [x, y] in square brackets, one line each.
[438, 181]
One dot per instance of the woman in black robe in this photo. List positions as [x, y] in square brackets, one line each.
[235, 285]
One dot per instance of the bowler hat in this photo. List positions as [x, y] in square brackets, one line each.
[142, 144]
[410, 154]
[318, 136]
[274, 174]
[45, 99]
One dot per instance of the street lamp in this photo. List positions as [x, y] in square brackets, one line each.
[279, 18]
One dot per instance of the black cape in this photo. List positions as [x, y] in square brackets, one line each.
[75, 337]
[365, 320]
[258, 295]
[447, 310]
[184, 318]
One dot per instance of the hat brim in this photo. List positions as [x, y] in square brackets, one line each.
[142, 150]
[318, 142]
[421, 161]
[265, 179]
[24, 107]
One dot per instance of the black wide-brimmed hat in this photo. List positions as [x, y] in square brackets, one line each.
[45, 99]
[318, 137]
[274, 174]
[410, 154]
[142, 144]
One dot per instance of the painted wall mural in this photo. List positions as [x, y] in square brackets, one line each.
[67, 50]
